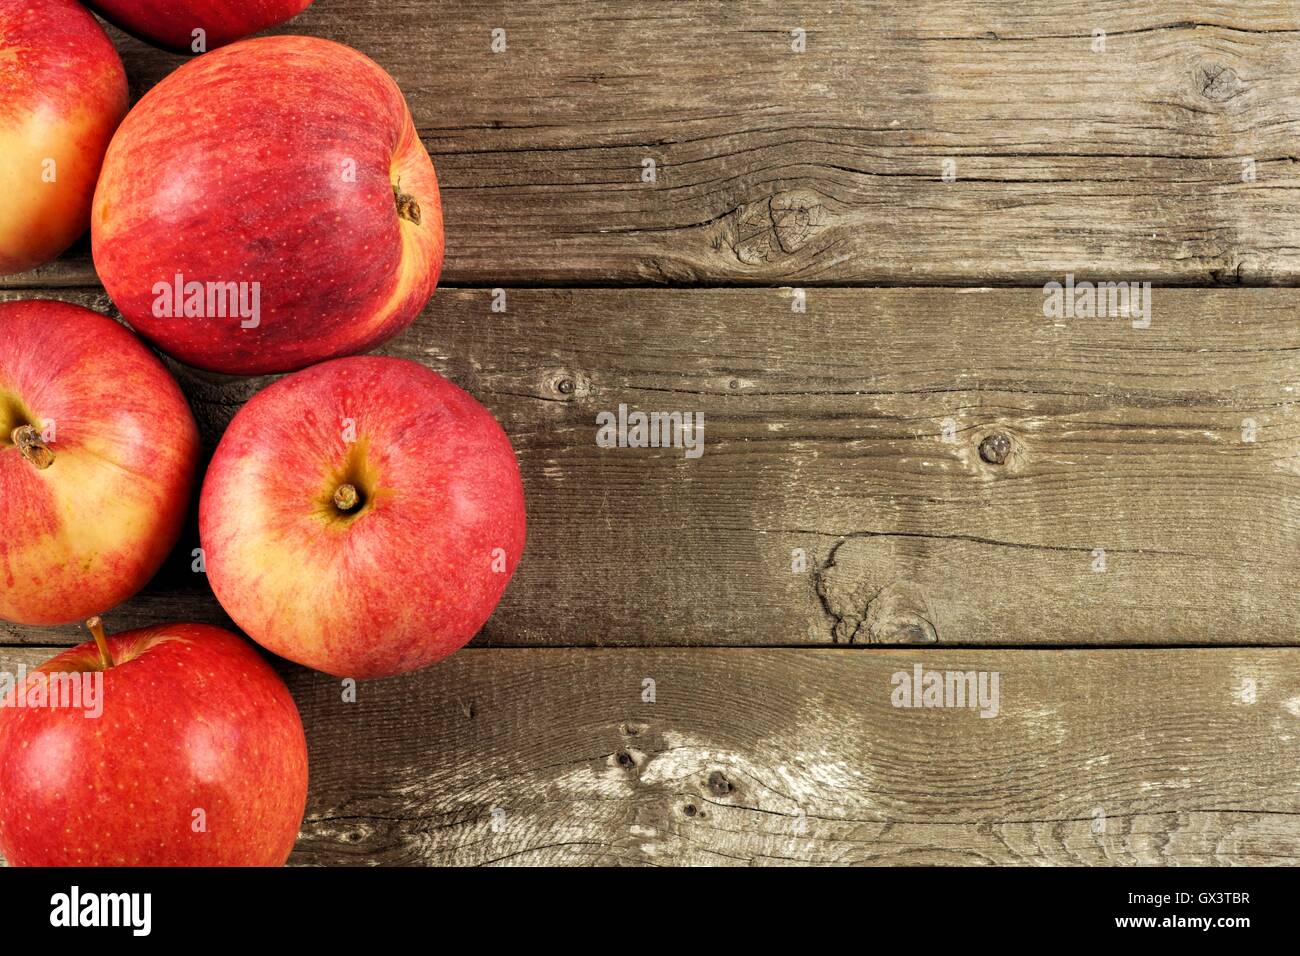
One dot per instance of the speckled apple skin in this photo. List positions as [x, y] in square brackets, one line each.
[62, 93]
[171, 23]
[89, 531]
[410, 578]
[270, 161]
[193, 719]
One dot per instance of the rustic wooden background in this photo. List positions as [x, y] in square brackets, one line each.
[1150, 712]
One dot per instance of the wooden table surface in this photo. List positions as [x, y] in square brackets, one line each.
[840, 262]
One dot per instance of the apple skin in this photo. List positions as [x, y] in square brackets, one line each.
[62, 93]
[193, 718]
[404, 578]
[271, 161]
[85, 533]
[171, 23]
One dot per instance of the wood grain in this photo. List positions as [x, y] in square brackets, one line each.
[849, 438]
[797, 756]
[826, 166]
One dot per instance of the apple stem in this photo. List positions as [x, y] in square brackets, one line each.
[32, 445]
[97, 629]
[346, 498]
[407, 206]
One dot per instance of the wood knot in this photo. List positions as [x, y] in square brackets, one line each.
[563, 384]
[769, 230]
[899, 615]
[867, 587]
[625, 760]
[995, 448]
[1217, 83]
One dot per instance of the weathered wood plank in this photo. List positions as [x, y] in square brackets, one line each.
[852, 434]
[789, 756]
[826, 166]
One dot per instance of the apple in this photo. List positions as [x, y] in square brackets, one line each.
[172, 23]
[62, 93]
[267, 206]
[170, 746]
[362, 517]
[98, 452]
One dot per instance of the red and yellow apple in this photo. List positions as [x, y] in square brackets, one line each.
[98, 452]
[62, 93]
[267, 206]
[362, 517]
[172, 23]
[169, 746]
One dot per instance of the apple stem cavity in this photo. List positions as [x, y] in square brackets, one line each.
[28, 441]
[101, 641]
[346, 498]
[407, 206]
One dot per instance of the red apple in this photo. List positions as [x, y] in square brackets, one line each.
[196, 756]
[171, 23]
[267, 206]
[62, 93]
[362, 517]
[98, 451]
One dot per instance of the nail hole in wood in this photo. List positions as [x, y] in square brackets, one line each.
[719, 785]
